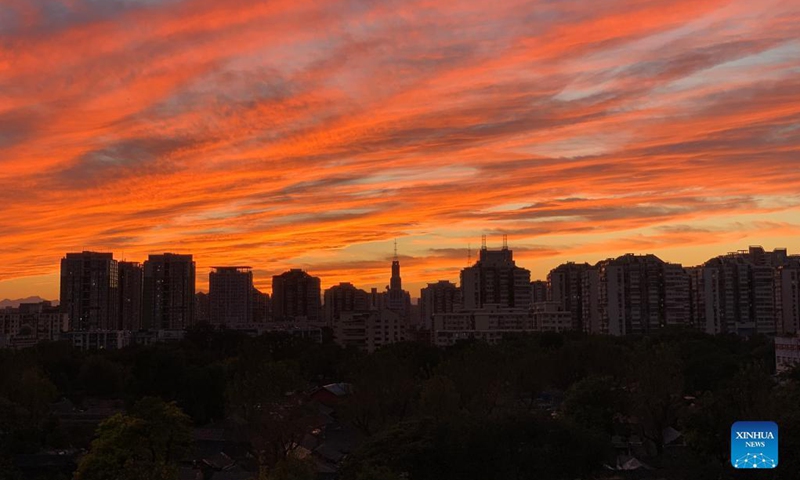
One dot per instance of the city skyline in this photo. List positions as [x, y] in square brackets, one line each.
[264, 285]
[313, 134]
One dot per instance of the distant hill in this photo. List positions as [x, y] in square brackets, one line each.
[15, 303]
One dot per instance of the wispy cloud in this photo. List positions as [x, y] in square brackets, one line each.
[312, 133]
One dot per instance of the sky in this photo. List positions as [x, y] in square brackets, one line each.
[312, 134]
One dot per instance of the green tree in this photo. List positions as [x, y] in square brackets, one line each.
[266, 398]
[748, 395]
[479, 373]
[34, 392]
[291, 468]
[478, 448]
[594, 402]
[439, 398]
[385, 390]
[145, 444]
[528, 376]
[100, 376]
[656, 386]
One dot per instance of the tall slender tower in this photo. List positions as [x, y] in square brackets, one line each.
[398, 300]
[396, 283]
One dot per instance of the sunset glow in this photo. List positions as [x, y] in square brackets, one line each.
[313, 134]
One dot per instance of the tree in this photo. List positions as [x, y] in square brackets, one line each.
[657, 391]
[439, 398]
[145, 444]
[528, 376]
[479, 374]
[291, 468]
[34, 392]
[593, 402]
[478, 448]
[748, 395]
[268, 401]
[100, 376]
[383, 393]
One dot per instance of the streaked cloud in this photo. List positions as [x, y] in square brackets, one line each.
[312, 134]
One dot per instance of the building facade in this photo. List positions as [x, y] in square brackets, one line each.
[565, 284]
[745, 293]
[296, 297]
[370, 330]
[169, 292]
[131, 291]
[395, 298]
[551, 317]
[230, 295]
[495, 280]
[787, 353]
[440, 297]
[639, 294]
[261, 307]
[30, 324]
[490, 324]
[344, 298]
[90, 290]
[539, 291]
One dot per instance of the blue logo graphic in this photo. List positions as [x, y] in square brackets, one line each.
[754, 445]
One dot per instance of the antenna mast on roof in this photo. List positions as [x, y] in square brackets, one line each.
[505, 241]
[469, 254]
[395, 249]
[483, 242]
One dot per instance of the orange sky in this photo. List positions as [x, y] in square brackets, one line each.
[311, 134]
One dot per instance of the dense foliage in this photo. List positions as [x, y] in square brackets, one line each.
[533, 406]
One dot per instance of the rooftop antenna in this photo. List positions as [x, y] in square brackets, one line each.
[395, 249]
[469, 254]
[505, 241]
[483, 242]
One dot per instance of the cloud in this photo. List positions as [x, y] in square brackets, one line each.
[307, 133]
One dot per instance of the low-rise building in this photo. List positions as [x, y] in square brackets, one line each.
[489, 324]
[99, 339]
[370, 330]
[787, 353]
[150, 337]
[551, 317]
[30, 324]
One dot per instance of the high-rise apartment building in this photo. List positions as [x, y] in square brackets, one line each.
[565, 284]
[495, 280]
[230, 295]
[639, 294]
[169, 292]
[344, 298]
[539, 291]
[296, 297]
[440, 297]
[261, 306]
[591, 319]
[787, 297]
[742, 292]
[90, 290]
[131, 291]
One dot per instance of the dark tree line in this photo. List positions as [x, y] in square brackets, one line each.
[532, 406]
